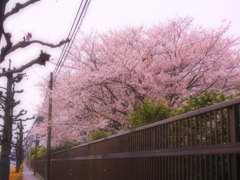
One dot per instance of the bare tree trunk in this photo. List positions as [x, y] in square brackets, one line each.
[19, 148]
[7, 131]
[2, 11]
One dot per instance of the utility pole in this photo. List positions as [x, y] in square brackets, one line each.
[48, 165]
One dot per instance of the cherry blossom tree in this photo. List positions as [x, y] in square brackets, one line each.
[109, 74]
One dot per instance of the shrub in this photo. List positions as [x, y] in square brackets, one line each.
[63, 146]
[208, 98]
[99, 134]
[41, 151]
[15, 176]
[148, 112]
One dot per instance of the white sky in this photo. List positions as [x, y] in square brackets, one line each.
[50, 21]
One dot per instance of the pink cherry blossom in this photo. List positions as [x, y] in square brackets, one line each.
[108, 74]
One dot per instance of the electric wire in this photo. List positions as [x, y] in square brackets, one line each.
[65, 45]
[71, 36]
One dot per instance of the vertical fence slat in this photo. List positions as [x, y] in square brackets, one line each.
[187, 133]
[210, 127]
[221, 125]
[228, 124]
[205, 167]
[180, 133]
[222, 166]
[200, 127]
[229, 166]
[205, 129]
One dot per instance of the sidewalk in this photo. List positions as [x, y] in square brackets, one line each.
[28, 174]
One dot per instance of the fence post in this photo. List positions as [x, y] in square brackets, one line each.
[234, 137]
[234, 126]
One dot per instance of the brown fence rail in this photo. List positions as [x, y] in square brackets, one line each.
[200, 145]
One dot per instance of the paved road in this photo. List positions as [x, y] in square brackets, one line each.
[28, 174]
[12, 166]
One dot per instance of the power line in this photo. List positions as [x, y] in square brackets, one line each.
[71, 36]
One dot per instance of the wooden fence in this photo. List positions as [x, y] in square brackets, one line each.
[200, 145]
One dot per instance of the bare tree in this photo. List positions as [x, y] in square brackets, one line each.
[18, 145]
[14, 75]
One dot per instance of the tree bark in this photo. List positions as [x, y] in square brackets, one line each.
[2, 11]
[7, 131]
[19, 148]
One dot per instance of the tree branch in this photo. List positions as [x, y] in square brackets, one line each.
[18, 7]
[20, 91]
[43, 57]
[21, 113]
[5, 49]
[26, 119]
[8, 49]
[17, 79]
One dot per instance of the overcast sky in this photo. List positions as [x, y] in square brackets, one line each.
[113, 13]
[50, 21]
